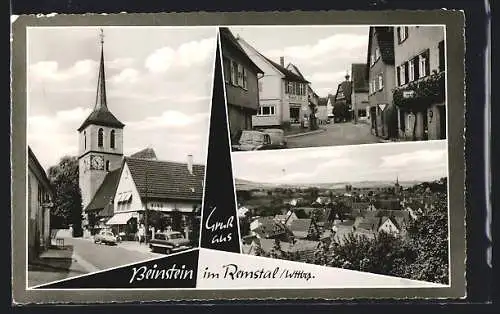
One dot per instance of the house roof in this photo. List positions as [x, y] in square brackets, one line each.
[102, 202]
[227, 39]
[156, 179]
[359, 77]
[360, 205]
[301, 226]
[296, 69]
[40, 172]
[385, 40]
[367, 223]
[147, 153]
[270, 228]
[390, 204]
[289, 75]
[299, 246]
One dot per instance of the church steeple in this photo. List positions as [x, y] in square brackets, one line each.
[101, 114]
[100, 101]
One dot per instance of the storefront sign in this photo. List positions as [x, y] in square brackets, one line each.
[408, 94]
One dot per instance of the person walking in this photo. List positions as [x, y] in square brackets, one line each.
[141, 234]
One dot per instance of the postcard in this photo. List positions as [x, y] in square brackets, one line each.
[160, 159]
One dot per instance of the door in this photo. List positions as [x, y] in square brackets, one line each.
[442, 122]
[373, 117]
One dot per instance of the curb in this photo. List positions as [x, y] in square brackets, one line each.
[45, 265]
[305, 133]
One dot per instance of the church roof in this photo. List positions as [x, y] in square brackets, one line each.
[156, 179]
[101, 114]
[103, 198]
[147, 153]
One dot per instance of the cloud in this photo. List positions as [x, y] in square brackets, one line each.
[338, 44]
[53, 136]
[417, 157]
[127, 75]
[186, 55]
[119, 63]
[327, 77]
[168, 119]
[49, 70]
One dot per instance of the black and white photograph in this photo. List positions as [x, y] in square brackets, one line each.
[380, 209]
[313, 86]
[118, 122]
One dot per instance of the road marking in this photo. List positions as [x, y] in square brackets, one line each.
[85, 264]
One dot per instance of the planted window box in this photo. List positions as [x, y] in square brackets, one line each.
[420, 94]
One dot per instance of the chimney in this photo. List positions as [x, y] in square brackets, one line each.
[190, 163]
[282, 61]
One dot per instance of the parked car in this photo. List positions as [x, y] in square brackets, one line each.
[169, 242]
[253, 140]
[106, 237]
[278, 139]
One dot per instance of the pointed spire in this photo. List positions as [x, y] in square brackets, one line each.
[101, 103]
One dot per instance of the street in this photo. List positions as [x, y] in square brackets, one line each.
[346, 133]
[82, 256]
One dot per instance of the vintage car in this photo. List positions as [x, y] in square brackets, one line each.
[106, 236]
[278, 139]
[253, 140]
[169, 242]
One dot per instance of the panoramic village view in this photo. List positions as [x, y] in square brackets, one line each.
[117, 145]
[301, 86]
[369, 208]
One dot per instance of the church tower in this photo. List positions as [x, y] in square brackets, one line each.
[397, 187]
[100, 141]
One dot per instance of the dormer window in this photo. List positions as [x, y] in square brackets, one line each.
[100, 138]
[112, 139]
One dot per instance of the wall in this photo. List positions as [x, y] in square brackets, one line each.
[360, 101]
[126, 184]
[419, 39]
[239, 119]
[236, 95]
[271, 120]
[92, 142]
[322, 113]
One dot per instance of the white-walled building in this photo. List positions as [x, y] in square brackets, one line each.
[283, 94]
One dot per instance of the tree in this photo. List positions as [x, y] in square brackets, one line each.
[67, 195]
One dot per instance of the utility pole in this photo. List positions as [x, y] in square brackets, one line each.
[146, 209]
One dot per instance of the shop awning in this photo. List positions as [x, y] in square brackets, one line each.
[120, 218]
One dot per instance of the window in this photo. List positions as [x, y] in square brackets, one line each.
[234, 73]
[411, 71]
[380, 82]
[441, 56]
[402, 33]
[245, 78]
[240, 75]
[227, 70]
[100, 138]
[267, 110]
[362, 113]
[85, 140]
[423, 64]
[107, 165]
[112, 139]
[377, 53]
[290, 88]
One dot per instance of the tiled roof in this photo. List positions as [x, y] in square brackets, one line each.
[359, 77]
[102, 202]
[227, 39]
[360, 205]
[301, 225]
[346, 88]
[289, 75]
[385, 40]
[156, 179]
[296, 69]
[299, 246]
[270, 228]
[147, 153]
[103, 117]
[390, 204]
[367, 223]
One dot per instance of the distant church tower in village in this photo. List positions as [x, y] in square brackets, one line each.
[397, 187]
[100, 141]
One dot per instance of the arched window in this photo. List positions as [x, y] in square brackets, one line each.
[84, 140]
[112, 139]
[107, 165]
[100, 137]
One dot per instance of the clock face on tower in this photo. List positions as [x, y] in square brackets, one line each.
[96, 162]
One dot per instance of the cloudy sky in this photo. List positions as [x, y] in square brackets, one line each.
[372, 162]
[158, 84]
[322, 54]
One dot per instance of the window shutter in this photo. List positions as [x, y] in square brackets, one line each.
[406, 71]
[416, 65]
[398, 75]
[441, 56]
[427, 64]
[398, 29]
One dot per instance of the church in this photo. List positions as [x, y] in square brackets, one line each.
[120, 191]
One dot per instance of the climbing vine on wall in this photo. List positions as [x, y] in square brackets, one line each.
[426, 91]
